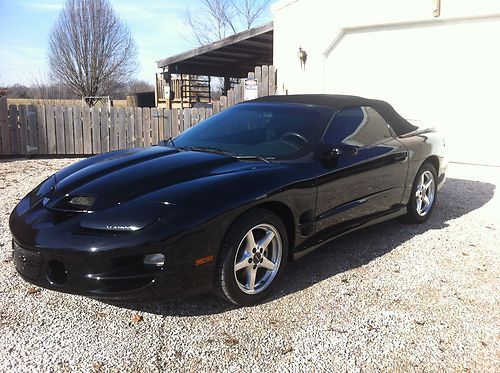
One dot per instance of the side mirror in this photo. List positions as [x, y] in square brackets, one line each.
[327, 152]
[327, 155]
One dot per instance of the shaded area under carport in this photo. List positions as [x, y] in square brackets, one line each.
[182, 81]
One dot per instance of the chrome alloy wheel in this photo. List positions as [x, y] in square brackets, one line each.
[258, 258]
[425, 192]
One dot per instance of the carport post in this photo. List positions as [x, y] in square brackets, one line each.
[227, 85]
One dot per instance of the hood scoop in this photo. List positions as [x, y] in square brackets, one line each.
[76, 203]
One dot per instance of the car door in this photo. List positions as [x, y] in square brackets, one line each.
[367, 178]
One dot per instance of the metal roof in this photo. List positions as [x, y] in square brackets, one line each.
[233, 56]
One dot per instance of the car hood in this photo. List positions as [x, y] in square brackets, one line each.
[138, 174]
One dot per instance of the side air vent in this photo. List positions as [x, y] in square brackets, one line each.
[306, 223]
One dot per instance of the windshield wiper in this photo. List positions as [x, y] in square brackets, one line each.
[249, 157]
[205, 149]
[224, 152]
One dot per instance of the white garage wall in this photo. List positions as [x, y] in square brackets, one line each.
[444, 71]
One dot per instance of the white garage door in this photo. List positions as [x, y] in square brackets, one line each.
[446, 74]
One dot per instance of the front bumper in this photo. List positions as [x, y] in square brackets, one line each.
[55, 253]
[117, 275]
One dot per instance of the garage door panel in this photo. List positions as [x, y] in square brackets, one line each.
[446, 75]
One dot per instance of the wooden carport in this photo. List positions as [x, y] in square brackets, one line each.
[185, 78]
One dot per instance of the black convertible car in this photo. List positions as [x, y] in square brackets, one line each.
[224, 205]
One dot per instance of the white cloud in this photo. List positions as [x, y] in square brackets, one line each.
[44, 5]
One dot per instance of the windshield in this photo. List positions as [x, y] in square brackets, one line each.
[271, 131]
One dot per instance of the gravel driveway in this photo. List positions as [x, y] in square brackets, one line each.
[391, 297]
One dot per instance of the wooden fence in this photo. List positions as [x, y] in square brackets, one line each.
[80, 130]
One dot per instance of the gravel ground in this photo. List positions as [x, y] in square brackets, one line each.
[392, 297]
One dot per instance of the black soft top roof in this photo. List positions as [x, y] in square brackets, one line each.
[400, 125]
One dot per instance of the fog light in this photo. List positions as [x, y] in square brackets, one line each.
[57, 274]
[154, 260]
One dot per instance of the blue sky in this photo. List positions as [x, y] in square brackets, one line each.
[156, 25]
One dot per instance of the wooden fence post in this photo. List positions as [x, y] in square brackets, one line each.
[186, 123]
[167, 123]
[33, 123]
[258, 76]
[216, 105]
[203, 114]
[23, 128]
[113, 129]
[237, 91]
[122, 128]
[104, 129]
[87, 130]
[59, 127]
[78, 129]
[138, 133]
[146, 122]
[155, 126]
[96, 130]
[194, 117]
[42, 129]
[130, 127]
[223, 103]
[265, 80]
[69, 132]
[272, 80]
[4, 127]
[51, 130]
[14, 130]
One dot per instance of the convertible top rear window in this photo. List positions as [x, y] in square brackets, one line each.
[358, 126]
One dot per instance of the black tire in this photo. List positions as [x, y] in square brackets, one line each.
[413, 215]
[228, 282]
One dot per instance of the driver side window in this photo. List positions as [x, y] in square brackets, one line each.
[359, 126]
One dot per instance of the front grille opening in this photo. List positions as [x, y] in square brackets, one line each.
[118, 286]
[57, 274]
[126, 273]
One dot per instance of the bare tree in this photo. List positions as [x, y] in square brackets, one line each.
[251, 10]
[217, 19]
[91, 51]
